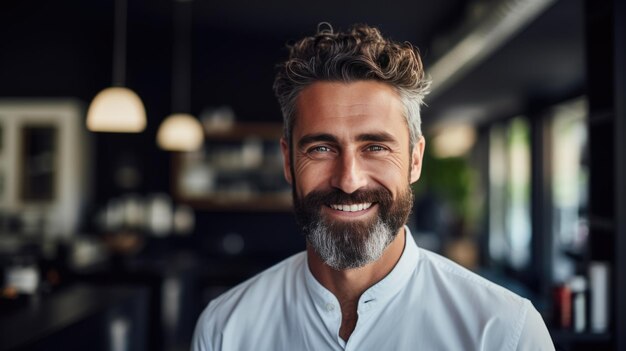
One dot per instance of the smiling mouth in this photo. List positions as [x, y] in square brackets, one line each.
[352, 207]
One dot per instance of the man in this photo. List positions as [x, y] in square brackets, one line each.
[352, 146]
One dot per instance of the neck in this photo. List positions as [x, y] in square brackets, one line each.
[348, 285]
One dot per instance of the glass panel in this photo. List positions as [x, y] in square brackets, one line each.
[509, 193]
[518, 184]
[38, 163]
[570, 184]
[498, 247]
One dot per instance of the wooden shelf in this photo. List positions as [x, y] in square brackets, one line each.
[256, 203]
[270, 192]
[240, 131]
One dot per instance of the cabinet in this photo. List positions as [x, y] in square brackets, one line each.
[43, 164]
[238, 169]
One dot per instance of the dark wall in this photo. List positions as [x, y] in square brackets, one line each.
[64, 49]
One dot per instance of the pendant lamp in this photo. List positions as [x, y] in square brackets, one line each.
[181, 131]
[117, 109]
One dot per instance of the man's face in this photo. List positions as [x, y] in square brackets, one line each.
[351, 169]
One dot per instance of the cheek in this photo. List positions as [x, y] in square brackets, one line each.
[310, 175]
[391, 178]
[391, 173]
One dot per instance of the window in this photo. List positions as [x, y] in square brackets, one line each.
[509, 193]
[570, 179]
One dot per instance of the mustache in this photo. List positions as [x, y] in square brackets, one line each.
[337, 197]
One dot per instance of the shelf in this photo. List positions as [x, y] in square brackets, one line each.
[257, 203]
[239, 169]
[240, 131]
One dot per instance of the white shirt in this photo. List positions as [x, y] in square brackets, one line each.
[425, 303]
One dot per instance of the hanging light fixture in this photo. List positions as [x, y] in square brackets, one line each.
[181, 131]
[117, 109]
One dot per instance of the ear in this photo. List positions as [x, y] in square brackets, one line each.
[417, 156]
[284, 147]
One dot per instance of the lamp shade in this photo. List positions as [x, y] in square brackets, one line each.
[180, 132]
[116, 109]
[453, 141]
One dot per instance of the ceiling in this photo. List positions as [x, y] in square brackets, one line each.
[63, 48]
[542, 65]
[417, 21]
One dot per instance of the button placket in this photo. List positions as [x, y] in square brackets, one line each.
[366, 303]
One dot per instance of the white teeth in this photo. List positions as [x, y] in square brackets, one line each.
[351, 208]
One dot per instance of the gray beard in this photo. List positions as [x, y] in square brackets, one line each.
[341, 250]
[351, 244]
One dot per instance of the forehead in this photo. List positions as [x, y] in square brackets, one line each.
[336, 105]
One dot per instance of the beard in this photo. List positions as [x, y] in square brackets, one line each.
[351, 243]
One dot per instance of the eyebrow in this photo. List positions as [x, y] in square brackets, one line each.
[325, 137]
[376, 137]
[313, 138]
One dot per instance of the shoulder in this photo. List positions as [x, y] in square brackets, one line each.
[452, 276]
[502, 318]
[261, 287]
[253, 297]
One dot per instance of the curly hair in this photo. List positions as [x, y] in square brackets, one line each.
[358, 54]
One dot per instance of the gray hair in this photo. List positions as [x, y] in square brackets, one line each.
[359, 54]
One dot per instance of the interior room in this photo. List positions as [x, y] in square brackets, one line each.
[115, 233]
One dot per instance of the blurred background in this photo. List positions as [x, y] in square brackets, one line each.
[115, 234]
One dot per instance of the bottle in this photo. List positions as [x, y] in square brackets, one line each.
[562, 306]
[578, 286]
[599, 296]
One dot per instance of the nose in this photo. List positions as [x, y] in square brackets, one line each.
[348, 175]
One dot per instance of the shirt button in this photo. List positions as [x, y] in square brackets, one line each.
[329, 307]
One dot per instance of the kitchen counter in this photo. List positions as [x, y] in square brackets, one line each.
[79, 317]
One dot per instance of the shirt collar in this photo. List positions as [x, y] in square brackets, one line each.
[380, 292]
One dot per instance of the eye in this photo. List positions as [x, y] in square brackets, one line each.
[320, 152]
[375, 148]
[319, 149]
